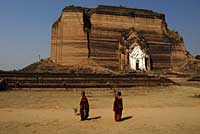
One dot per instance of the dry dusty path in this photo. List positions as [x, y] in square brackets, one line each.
[182, 120]
[171, 110]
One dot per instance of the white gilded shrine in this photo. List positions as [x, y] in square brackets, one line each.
[133, 52]
[137, 59]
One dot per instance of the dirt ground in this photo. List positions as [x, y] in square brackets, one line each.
[160, 110]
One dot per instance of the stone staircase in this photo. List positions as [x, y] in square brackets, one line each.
[66, 80]
[183, 79]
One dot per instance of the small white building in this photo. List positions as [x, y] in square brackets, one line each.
[133, 53]
[137, 59]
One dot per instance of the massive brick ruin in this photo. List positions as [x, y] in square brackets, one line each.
[106, 34]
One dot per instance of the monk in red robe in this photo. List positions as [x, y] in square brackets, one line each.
[84, 107]
[118, 106]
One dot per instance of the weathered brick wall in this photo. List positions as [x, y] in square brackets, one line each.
[69, 41]
[178, 54]
[107, 30]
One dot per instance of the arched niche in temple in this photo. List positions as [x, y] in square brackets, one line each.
[133, 52]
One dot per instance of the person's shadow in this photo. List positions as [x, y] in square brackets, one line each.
[126, 118]
[94, 118]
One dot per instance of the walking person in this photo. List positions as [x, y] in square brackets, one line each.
[84, 106]
[118, 106]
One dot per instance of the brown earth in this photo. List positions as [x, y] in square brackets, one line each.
[192, 66]
[46, 65]
[161, 110]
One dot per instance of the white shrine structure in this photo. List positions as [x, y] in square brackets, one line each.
[133, 55]
[137, 59]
